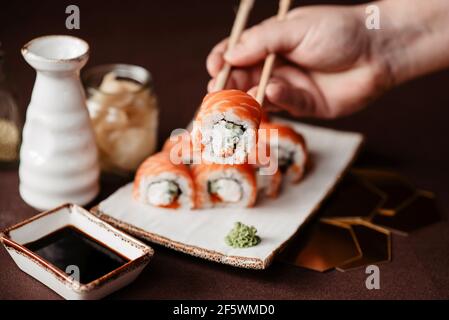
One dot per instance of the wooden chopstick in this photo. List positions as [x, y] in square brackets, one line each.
[237, 29]
[284, 5]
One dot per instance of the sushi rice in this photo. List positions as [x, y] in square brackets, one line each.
[220, 185]
[225, 128]
[161, 183]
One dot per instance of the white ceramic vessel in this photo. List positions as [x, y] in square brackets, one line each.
[58, 154]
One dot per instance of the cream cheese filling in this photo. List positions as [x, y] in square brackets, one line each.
[228, 190]
[225, 137]
[162, 193]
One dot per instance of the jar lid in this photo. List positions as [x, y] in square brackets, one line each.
[93, 77]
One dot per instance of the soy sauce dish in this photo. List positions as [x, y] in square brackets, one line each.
[74, 253]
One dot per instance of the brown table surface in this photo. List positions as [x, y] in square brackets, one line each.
[406, 131]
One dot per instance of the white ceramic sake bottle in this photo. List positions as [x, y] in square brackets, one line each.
[58, 157]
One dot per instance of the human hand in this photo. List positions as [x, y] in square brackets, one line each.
[326, 66]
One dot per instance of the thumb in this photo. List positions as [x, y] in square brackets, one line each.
[257, 42]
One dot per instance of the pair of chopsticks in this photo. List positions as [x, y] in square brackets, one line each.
[237, 29]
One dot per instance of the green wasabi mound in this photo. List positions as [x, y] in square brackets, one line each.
[242, 236]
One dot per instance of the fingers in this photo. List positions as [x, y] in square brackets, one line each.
[215, 59]
[267, 105]
[255, 43]
[281, 95]
[296, 101]
[290, 90]
[241, 78]
[270, 36]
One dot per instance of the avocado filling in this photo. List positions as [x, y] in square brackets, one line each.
[163, 193]
[226, 189]
[285, 158]
[225, 137]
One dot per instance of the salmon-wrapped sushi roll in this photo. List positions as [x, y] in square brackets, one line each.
[161, 183]
[225, 127]
[290, 147]
[269, 184]
[268, 175]
[264, 116]
[179, 145]
[224, 185]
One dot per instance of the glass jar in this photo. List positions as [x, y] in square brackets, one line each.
[10, 124]
[124, 114]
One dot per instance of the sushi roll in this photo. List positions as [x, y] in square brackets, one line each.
[179, 145]
[225, 127]
[290, 148]
[268, 184]
[268, 174]
[224, 185]
[266, 169]
[161, 183]
[264, 116]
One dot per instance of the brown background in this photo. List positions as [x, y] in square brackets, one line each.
[406, 130]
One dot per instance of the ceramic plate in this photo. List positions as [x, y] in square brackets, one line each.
[201, 233]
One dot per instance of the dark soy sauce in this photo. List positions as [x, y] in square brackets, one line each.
[70, 246]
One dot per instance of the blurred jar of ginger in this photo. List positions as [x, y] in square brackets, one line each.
[124, 114]
[10, 123]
